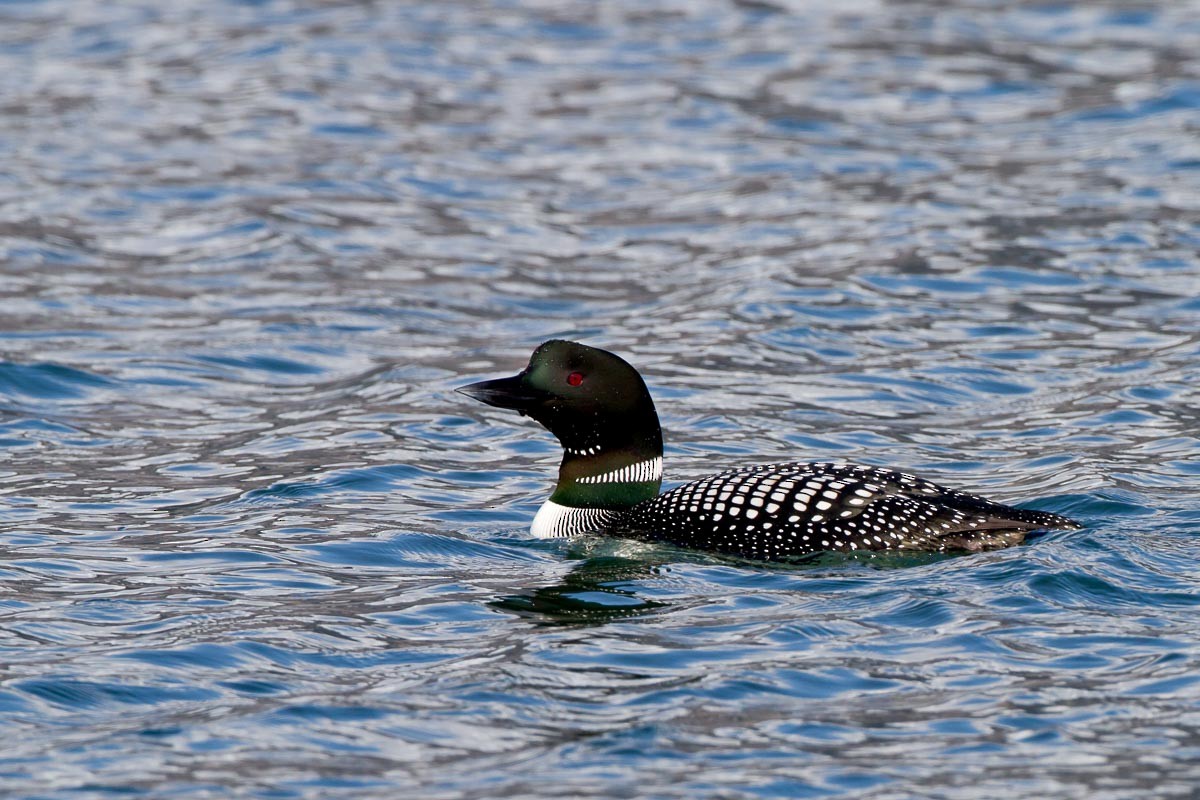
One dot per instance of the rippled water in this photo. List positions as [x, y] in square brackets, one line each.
[254, 545]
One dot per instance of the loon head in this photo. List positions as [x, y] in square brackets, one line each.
[599, 408]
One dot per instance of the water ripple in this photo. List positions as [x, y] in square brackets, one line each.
[255, 545]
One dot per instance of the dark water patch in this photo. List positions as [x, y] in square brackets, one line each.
[224, 555]
[48, 381]
[80, 695]
[254, 688]
[264, 363]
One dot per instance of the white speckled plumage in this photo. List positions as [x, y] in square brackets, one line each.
[778, 510]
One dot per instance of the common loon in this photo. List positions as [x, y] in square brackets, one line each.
[599, 408]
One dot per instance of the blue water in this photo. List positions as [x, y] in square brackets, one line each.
[253, 545]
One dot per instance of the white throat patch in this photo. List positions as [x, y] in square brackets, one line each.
[554, 521]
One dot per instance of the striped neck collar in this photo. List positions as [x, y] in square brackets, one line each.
[639, 472]
[612, 480]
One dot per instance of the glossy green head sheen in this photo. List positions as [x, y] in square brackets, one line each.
[599, 408]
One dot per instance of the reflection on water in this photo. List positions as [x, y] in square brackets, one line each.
[595, 591]
[254, 545]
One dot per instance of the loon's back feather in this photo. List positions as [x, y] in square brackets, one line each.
[775, 511]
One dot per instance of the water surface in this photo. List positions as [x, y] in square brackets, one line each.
[253, 545]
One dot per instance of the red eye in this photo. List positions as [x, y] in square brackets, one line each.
[575, 378]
